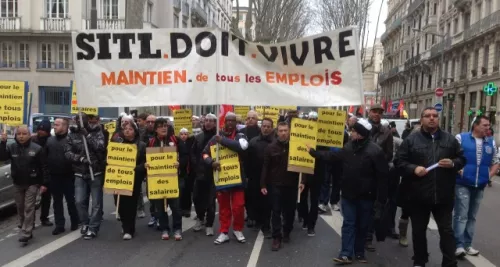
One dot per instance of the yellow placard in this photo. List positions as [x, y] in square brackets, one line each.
[74, 103]
[119, 178]
[230, 174]
[162, 163]
[12, 96]
[183, 119]
[298, 156]
[269, 112]
[242, 111]
[331, 125]
[160, 187]
[286, 107]
[302, 133]
[122, 154]
[225, 154]
[110, 127]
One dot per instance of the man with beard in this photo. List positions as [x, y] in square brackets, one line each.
[259, 207]
[428, 190]
[85, 187]
[204, 188]
[251, 131]
[41, 137]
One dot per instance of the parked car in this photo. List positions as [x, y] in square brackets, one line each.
[6, 186]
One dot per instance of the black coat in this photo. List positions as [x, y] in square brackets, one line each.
[184, 149]
[364, 170]
[421, 149]
[201, 171]
[75, 151]
[28, 165]
[255, 156]
[58, 164]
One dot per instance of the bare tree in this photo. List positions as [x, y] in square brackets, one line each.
[276, 20]
[235, 21]
[336, 14]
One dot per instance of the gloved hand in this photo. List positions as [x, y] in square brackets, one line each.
[85, 161]
[84, 131]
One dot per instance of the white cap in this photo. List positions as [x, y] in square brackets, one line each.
[365, 123]
[184, 130]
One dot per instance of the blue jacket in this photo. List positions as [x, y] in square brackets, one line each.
[474, 175]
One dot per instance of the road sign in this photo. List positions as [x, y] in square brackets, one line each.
[438, 107]
[439, 92]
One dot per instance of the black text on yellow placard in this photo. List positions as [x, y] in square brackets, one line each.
[230, 174]
[183, 119]
[225, 154]
[331, 124]
[161, 187]
[120, 179]
[302, 133]
[122, 154]
[162, 163]
[12, 97]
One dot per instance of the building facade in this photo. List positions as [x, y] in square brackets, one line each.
[35, 39]
[242, 20]
[372, 59]
[449, 44]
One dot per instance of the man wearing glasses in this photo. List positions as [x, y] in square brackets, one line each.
[429, 160]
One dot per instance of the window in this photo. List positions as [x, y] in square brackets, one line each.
[109, 9]
[496, 62]
[479, 12]
[8, 8]
[455, 26]
[429, 81]
[464, 62]
[472, 101]
[7, 55]
[63, 57]
[486, 57]
[466, 21]
[176, 21]
[435, 8]
[453, 67]
[476, 59]
[149, 12]
[488, 7]
[46, 52]
[56, 8]
[24, 55]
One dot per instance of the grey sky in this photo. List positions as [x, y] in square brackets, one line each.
[374, 9]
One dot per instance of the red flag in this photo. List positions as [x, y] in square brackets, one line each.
[389, 106]
[173, 108]
[351, 109]
[383, 103]
[401, 107]
[361, 110]
[223, 110]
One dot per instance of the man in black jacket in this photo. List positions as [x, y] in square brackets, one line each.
[85, 187]
[28, 167]
[259, 208]
[282, 185]
[204, 187]
[62, 179]
[430, 189]
[41, 137]
[364, 186]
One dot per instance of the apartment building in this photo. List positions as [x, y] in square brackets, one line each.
[449, 44]
[35, 38]
[372, 60]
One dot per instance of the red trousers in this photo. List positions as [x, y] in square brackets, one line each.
[231, 206]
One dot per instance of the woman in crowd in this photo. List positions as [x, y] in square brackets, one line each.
[127, 210]
[165, 136]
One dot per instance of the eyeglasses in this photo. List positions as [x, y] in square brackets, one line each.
[150, 122]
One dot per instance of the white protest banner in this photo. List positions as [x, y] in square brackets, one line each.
[202, 66]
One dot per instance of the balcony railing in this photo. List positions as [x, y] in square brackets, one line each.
[199, 14]
[185, 9]
[412, 61]
[10, 24]
[15, 65]
[457, 38]
[54, 66]
[55, 24]
[486, 24]
[413, 6]
[106, 24]
[394, 25]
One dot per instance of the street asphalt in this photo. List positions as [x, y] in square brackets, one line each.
[196, 249]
